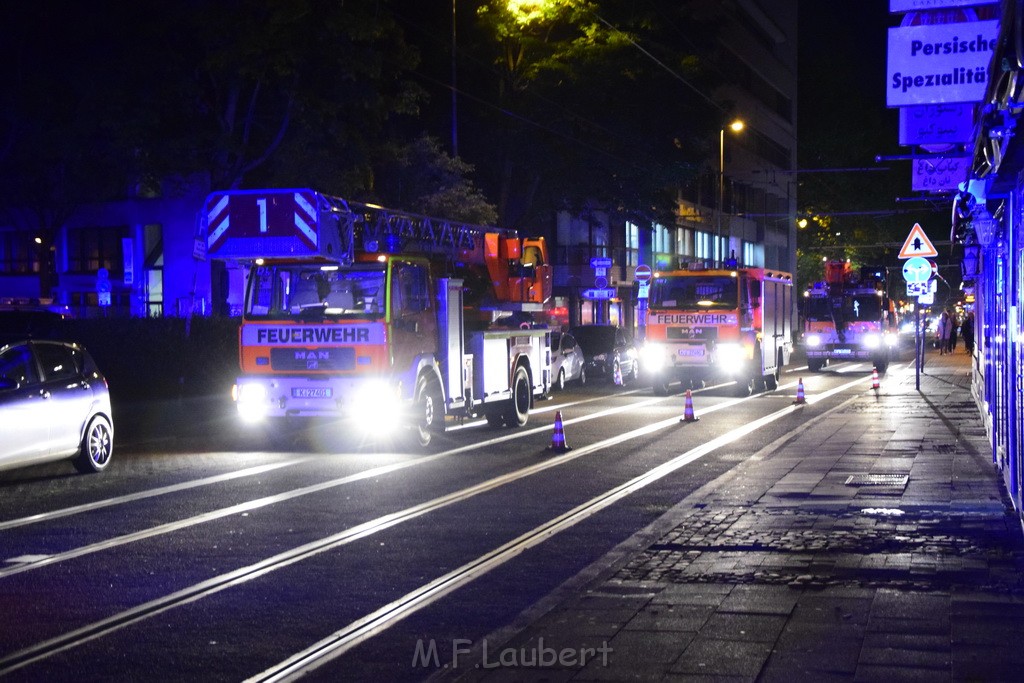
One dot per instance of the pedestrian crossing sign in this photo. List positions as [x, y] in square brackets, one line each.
[918, 244]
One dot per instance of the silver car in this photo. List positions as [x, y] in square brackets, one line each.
[54, 404]
[567, 363]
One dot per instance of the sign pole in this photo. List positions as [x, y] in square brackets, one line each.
[642, 274]
[917, 347]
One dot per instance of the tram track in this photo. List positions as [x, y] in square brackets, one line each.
[357, 632]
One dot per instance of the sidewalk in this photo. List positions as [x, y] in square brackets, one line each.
[875, 544]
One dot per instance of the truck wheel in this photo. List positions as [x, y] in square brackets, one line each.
[660, 387]
[881, 366]
[517, 412]
[771, 380]
[815, 364]
[429, 412]
[744, 387]
[495, 419]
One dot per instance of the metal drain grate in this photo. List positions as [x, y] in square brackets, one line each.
[893, 480]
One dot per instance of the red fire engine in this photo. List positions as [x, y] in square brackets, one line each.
[721, 324]
[385, 317]
[849, 316]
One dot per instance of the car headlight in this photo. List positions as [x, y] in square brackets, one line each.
[891, 340]
[251, 400]
[731, 356]
[653, 357]
[813, 340]
[872, 340]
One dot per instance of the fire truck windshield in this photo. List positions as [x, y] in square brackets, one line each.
[690, 292]
[866, 307]
[302, 291]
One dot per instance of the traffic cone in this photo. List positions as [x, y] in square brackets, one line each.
[874, 378]
[800, 400]
[617, 375]
[558, 444]
[688, 415]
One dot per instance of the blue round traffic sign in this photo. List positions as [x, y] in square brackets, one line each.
[917, 269]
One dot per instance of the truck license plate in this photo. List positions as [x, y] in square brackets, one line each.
[304, 392]
[692, 352]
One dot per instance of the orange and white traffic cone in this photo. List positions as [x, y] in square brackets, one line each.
[800, 400]
[558, 444]
[688, 415]
[874, 378]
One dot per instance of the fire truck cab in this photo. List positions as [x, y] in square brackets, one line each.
[719, 324]
[849, 316]
[387, 321]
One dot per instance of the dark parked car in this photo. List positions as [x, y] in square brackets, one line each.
[567, 361]
[54, 404]
[606, 347]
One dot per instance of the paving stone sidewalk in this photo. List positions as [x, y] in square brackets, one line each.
[876, 544]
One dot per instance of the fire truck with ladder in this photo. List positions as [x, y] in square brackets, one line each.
[718, 324]
[849, 316]
[380, 319]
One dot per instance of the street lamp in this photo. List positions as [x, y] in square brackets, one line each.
[972, 259]
[736, 126]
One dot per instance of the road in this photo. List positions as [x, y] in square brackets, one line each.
[204, 554]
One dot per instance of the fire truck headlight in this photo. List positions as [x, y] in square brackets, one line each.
[872, 341]
[251, 400]
[731, 356]
[375, 407]
[813, 340]
[892, 340]
[653, 357]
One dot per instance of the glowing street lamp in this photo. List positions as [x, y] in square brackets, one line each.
[736, 126]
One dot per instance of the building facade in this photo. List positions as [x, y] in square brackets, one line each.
[988, 221]
[742, 204]
[141, 256]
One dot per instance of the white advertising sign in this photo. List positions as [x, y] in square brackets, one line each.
[936, 63]
[129, 260]
[936, 124]
[940, 174]
[916, 5]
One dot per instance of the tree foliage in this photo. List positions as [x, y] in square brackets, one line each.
[597, 101]
[247, 92]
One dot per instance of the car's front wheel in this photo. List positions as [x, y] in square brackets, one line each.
[97, 446]
[560, 380]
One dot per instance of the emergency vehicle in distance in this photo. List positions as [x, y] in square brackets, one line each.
[718, 324]
[391, 319]
[849, 316]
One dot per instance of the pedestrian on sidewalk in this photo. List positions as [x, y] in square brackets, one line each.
[943, 330]
[967, 331]
[954, 327]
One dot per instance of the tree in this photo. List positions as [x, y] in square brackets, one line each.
[246, 92]
[422, 178]
[597, 101]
